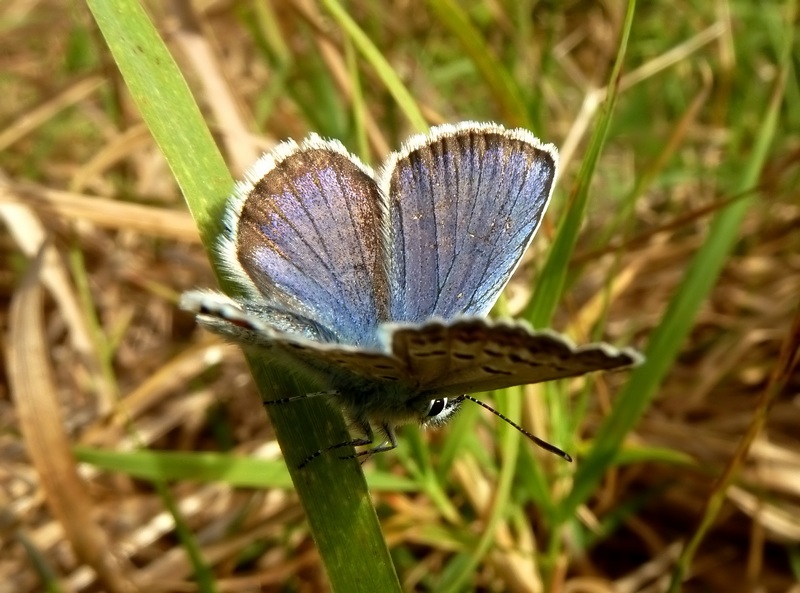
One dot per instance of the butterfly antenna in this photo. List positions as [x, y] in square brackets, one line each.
[543, 444]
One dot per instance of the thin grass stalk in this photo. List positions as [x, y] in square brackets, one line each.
[382, 68]
[788, 358]
[668, 338]
[333, 493]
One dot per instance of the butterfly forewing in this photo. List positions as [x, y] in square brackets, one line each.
[310, 238]
[465, 203]
[475, 354]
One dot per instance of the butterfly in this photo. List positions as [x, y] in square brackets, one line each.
[379, 282]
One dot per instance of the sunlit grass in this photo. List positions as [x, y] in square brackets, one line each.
[692, 159]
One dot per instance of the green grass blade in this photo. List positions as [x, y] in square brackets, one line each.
[49, 578]
[234, 470]
[167, 107]
[203, 574]
[383, 69]
[750, 177]
[510, 451]
[667, 339]
[551, 280]
[334, 493]
[500, 84]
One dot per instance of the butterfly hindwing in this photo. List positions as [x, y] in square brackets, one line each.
[274, 338]
[471, 355]
[464, 203]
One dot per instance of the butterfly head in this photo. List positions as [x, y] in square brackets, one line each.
[395, 409]
[438, 411]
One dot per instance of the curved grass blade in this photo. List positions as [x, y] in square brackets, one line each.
[675, 325]
[500, 83]
[383, 69]
[334, 493]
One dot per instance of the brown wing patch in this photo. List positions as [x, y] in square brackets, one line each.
[476, 354]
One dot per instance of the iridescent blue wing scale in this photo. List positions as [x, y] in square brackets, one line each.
[464, 204]
[306, 236]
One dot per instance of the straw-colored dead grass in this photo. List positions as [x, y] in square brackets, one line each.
[94, 344]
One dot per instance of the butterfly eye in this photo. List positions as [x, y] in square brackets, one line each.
[435, 407]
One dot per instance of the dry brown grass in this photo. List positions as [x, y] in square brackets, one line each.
[103, 347]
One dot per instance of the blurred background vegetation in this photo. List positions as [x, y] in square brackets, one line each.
[688, 250]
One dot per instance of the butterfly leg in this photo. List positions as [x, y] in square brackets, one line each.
[367, 439]
[387, 445]
[294, 398]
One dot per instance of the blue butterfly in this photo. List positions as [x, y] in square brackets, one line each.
[378, 284]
